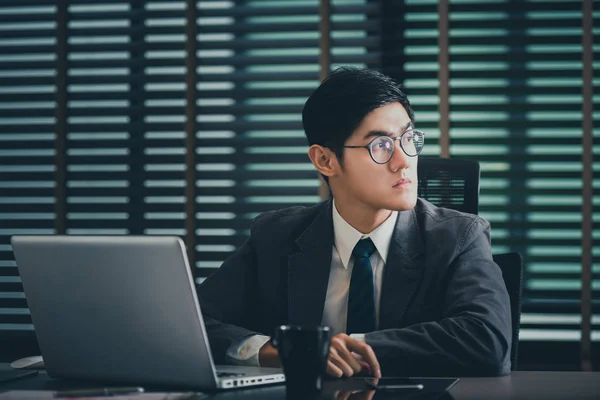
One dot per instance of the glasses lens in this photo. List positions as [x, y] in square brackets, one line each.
[382, 149]
[412, 142]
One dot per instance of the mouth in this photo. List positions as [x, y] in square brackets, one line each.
[402, 183]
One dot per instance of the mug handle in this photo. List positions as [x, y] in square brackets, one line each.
[275, 337]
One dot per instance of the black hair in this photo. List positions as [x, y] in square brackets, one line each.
[343, 100]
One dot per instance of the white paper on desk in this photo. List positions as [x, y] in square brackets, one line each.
[49, 394]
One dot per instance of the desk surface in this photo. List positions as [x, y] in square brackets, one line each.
[518, 385]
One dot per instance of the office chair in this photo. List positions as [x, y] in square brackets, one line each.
[511, 265]
[453, 183]
[449, 183]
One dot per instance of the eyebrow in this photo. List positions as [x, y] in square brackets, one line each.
[376, 133]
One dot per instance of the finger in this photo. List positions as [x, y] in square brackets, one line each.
[367, 352]
[334, 371]
[350, 360]
[338, 361]
[335, 358]
[344, 395]
[365, 367]
[340, 347]
[363, 395]
[368, 355]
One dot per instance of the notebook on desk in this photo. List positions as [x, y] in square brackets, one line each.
[122, 309]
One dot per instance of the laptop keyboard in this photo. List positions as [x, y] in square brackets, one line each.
[223, 374]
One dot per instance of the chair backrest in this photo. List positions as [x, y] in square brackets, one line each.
[449, 183]
[511, 265]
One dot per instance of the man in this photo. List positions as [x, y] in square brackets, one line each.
[407, 288]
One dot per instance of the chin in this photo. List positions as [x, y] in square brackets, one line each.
[404, 204]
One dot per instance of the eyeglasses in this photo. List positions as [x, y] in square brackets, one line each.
[382, 148]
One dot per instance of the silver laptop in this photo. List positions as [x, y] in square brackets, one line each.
[122, 309]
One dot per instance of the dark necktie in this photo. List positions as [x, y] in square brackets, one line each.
[361, 297]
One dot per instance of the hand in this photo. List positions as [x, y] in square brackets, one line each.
[348, 356]
[268, 356]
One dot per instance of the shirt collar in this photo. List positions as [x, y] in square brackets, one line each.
[346, 237]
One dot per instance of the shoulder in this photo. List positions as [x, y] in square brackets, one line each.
[438, 223]
[430, 214]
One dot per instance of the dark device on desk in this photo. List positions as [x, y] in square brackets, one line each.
[412, 388]
[396, 384]
[122, 309]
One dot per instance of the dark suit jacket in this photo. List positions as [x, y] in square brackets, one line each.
[444, 308]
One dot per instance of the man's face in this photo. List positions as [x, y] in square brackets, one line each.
[390, 186]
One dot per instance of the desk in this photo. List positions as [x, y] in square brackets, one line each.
[519, 385]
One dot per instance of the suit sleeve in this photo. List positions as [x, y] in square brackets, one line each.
[474, 335]
[226, 299]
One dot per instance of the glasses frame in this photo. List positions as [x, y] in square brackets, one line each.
[368, 146]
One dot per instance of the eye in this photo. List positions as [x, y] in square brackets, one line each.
[384, 144]
[408, 137]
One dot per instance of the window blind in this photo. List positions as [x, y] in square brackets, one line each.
[27, 103]
[125, 117]
[515, 106]
[251, 146]
[596, 171]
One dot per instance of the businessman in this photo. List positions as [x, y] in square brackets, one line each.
[407, 288]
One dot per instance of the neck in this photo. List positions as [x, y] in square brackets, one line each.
[360, 216]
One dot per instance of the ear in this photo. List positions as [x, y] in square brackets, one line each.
[323, 159]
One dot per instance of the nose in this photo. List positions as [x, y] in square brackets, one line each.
[399, 159]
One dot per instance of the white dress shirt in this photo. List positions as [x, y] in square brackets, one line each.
[245, 351]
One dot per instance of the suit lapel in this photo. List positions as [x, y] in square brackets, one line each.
[403, 270]
[308, 270]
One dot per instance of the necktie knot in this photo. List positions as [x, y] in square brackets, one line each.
[364, 248]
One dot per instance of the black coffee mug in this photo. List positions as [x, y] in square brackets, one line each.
[303, 352]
